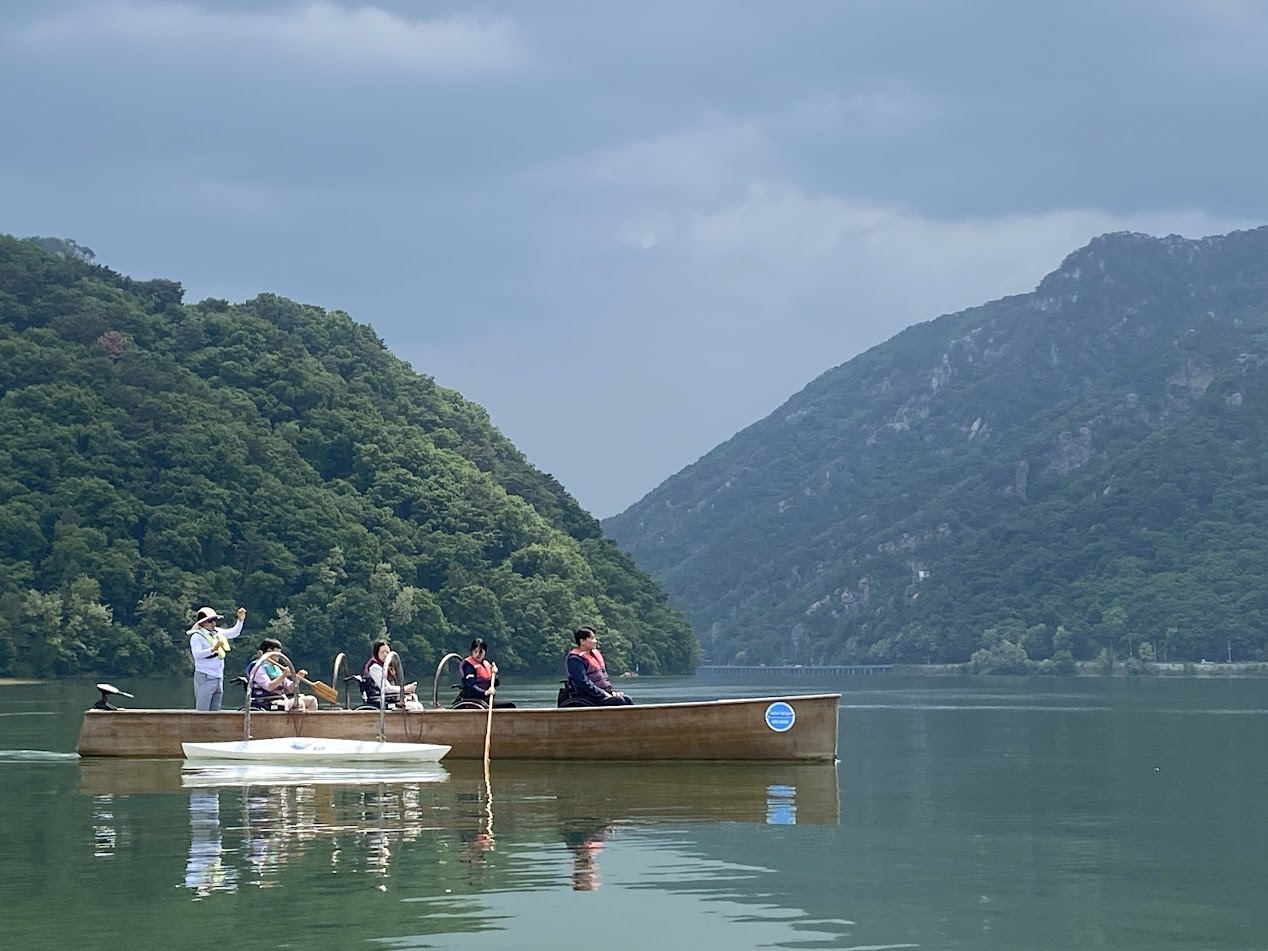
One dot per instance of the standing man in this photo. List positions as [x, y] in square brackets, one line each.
[587, 673]
[208, 644]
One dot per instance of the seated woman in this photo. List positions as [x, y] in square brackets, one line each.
[480, 678]
[375, 681]
[271, 686]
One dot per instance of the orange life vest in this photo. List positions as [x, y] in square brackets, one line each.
[596, 670]
[483, 672]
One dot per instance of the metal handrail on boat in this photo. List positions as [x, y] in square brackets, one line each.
[435, 684]
[341, 659]
[246, 716]
[400, 673]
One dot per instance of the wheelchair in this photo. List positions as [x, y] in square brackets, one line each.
[569, 696]
[370, 693]
[267, 704]
[460, 702]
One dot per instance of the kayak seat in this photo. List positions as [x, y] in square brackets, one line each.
[569, 697]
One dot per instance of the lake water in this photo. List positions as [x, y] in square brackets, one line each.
[964, 814]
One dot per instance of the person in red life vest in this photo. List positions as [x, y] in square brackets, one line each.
[587, 674]
[480, 677]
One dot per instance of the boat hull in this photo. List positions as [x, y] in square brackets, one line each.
[793, 729]
[312, 750]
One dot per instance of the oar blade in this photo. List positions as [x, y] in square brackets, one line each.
[325, 692]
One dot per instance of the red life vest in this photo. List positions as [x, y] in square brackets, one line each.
[483, 672]
[596, 670]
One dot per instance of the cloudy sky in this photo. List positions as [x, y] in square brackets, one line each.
[627, 229]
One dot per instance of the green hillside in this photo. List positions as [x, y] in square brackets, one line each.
[1079, 470]
[156, 456]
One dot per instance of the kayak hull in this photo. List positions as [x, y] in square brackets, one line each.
[311, 750]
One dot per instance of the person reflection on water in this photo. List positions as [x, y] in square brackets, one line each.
[208, 645]
[587, 673]
[585, 845]
[205, 872]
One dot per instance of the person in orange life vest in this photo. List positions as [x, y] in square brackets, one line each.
[480, 677]
[587, 674]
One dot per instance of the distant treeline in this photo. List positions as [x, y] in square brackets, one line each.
[156, 456]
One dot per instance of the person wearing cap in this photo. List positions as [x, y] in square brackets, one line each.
[208, 644]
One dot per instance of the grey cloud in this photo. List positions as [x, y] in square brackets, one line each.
[627, 229]
[321, 34]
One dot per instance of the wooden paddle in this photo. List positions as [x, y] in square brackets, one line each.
[488, 723]
[329, 694]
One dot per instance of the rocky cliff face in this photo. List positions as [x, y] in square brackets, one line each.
[954, 478]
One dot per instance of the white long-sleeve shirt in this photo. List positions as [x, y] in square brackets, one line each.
[391, 691]
[200, 646]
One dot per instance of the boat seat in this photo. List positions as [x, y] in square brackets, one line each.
[569, 697]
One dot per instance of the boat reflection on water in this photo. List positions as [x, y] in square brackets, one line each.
[223, 775]
[269, 820]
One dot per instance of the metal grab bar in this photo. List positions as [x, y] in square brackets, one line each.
[435, 684]
[340, 659]
[400, 673]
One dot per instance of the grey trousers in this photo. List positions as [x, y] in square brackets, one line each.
[208, 691]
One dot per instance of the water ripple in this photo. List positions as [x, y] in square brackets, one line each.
[36, 756]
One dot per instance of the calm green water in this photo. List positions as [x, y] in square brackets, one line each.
[963, 814]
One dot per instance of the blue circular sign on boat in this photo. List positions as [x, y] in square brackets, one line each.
[780, 716]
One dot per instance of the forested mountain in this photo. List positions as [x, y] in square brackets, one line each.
[156, 456]
[1075, 472]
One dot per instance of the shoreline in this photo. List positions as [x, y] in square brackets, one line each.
[1096, 668]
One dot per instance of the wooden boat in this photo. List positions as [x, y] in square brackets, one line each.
[312, 750]
[791, 728]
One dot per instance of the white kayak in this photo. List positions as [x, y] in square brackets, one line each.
[314, 749]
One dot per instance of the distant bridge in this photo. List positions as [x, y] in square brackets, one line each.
[793, 670]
